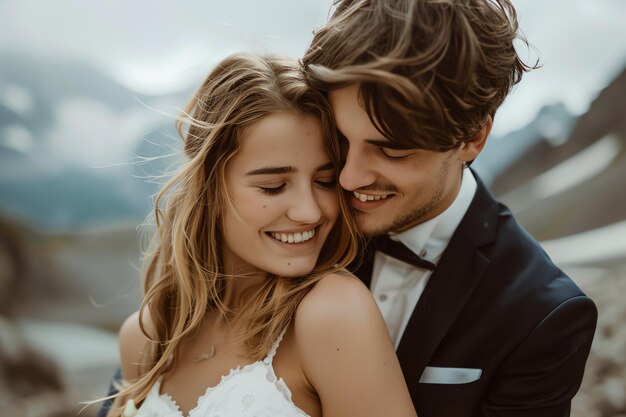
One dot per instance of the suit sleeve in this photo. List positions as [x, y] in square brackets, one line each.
[106, 405]
[544, 372]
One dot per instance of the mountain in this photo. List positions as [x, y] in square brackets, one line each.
[606, 115]
[576, 186]
[552, 124]
[48, 189]
[72, 198]
[157, 155]
[51, 79]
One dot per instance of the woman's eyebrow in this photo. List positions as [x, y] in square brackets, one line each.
[326, 166]
[273, 170]
[286, 170]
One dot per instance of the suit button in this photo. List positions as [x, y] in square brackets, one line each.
[382, 297]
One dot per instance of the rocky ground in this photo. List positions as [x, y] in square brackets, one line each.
[603, 392]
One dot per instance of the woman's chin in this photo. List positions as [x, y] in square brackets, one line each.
[292, 269]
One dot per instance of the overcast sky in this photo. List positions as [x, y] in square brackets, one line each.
[163, 46]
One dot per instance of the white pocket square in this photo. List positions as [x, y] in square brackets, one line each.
[439, 375]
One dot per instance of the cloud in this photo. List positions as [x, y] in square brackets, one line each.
[158, 46]
[94, 135]
[152, 40]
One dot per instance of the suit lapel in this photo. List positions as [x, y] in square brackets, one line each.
[443, 298]
[458, 272]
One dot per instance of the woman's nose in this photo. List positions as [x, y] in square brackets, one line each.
[305, 208]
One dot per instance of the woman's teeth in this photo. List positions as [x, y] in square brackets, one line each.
[366, 197]
[293, 237]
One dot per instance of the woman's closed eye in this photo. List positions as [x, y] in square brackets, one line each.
[324, 183]
[327, 183]
[272, 190]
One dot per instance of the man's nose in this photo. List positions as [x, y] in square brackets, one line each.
[357, 171]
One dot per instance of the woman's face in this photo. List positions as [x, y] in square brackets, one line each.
[282, 186]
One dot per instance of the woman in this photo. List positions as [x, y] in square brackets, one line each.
[247, 308]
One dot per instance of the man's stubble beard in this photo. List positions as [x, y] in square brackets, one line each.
[404, 221]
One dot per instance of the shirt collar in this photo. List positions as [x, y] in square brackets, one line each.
[435, 234]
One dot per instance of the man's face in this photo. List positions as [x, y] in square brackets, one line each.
[392, 189]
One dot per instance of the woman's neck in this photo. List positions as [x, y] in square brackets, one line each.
[238, 290]
[240, 282]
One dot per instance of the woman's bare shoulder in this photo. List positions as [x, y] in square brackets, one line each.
[345, 352]
[334, 293]
[337, 302]
[133, 344]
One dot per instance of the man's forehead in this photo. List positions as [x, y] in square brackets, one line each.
[350, 116]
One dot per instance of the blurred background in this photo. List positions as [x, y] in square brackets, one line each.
[87, 94]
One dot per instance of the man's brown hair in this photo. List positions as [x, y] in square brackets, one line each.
[430, 71]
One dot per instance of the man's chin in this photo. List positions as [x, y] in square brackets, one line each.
[370, 226]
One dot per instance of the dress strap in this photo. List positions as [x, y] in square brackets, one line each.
[270, 356]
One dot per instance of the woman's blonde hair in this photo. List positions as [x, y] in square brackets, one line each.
[182, 274]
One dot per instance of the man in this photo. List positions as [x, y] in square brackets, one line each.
[484, 324]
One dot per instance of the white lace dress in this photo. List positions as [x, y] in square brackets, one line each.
[251, 391]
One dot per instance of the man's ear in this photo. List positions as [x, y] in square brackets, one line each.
[470, 149]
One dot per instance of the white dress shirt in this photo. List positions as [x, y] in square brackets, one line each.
[397, 286]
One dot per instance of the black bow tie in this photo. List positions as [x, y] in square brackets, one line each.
[399, 251]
